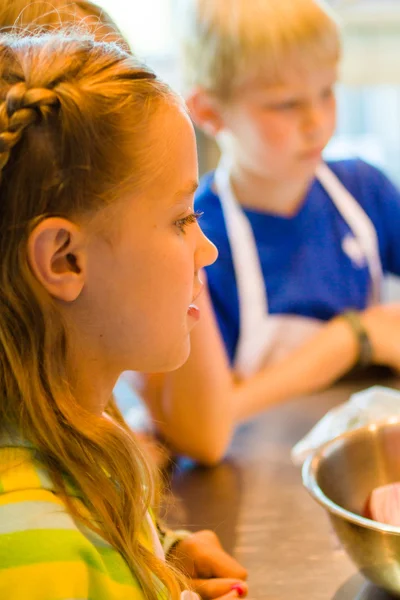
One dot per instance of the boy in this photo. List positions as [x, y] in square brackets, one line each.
[302, 244]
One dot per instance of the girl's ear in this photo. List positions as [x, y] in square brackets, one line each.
[57, 257]
[205, 111]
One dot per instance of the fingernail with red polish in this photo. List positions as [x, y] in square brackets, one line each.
[239, 589]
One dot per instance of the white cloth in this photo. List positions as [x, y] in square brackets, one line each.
[376, 404]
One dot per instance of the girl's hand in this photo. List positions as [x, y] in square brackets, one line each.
[214, 574]
[156, 453]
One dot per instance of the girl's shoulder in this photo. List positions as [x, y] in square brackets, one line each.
[43, 547]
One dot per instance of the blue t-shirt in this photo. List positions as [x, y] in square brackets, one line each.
[305, 269]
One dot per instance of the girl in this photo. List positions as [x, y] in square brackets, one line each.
[25, 16]
[99, 270]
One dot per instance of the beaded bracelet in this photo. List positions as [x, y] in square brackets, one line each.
[365, 351]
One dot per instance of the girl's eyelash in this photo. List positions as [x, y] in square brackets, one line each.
[188, 220]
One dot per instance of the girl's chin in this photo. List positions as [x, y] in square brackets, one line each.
[176, 359]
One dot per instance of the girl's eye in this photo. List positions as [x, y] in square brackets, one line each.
[188, 220]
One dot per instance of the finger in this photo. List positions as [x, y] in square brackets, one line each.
[208, 537]
[217, 588]
[221, 564]
[229, 596]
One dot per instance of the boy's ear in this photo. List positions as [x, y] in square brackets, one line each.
[205, 111]
[57, 258]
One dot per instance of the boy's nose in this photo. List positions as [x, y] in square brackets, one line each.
[314, 121]
[206, 253]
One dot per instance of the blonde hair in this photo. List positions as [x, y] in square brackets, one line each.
[75, 117]
[224, 42]
[27, 16]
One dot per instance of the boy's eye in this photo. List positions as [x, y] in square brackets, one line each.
[188, 220]
[288, 105]
[327, 93]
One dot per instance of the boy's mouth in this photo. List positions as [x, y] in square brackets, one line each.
[312, 153]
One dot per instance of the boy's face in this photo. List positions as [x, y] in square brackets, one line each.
[279, 131]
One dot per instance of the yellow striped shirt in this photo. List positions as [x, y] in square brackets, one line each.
[44, 553]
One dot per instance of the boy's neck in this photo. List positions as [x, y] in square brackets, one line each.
[282, 198]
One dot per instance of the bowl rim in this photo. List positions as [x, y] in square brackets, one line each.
[310, 469]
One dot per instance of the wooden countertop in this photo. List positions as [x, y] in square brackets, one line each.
[256, 502]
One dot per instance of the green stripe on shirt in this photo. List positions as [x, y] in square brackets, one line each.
[61, 545]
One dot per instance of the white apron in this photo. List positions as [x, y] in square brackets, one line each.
[266, 338]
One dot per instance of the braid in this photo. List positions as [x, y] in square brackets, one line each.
[21, 108]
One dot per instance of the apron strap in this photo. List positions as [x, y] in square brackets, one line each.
[360, 224]
[246, 260]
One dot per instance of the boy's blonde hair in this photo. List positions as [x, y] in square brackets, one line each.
[226, 42]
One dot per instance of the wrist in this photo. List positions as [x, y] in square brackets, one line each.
[364, 348]
[336, 353]
[172, 538]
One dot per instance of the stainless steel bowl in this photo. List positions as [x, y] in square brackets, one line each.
[340, 476]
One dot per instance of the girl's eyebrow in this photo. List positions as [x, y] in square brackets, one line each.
[188, 190]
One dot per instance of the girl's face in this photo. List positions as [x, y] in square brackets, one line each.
[142, 281]
[279, 131]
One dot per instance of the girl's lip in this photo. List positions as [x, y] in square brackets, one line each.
[194, 312]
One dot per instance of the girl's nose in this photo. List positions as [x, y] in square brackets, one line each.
[206, 252]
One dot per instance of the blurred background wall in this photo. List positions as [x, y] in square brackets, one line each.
[368, 92]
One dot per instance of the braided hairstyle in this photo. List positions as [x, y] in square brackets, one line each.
[22, 107]
[74, 119]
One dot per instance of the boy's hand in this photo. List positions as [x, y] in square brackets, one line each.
[214, 574]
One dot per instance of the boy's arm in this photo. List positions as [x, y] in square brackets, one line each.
[198, 406]
[388, 210]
